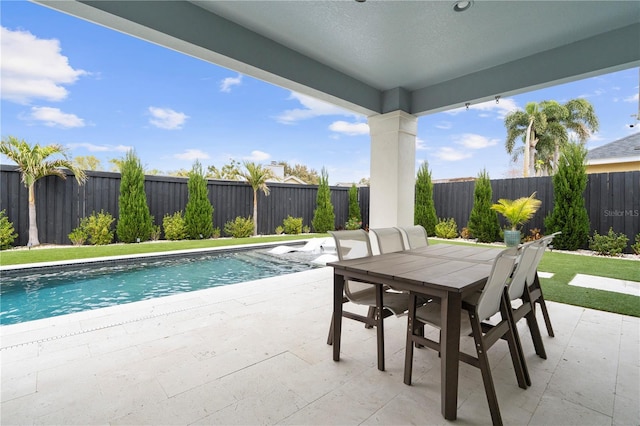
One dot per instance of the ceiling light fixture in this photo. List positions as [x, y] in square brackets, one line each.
[461, 6]
[498, 99]
[467, 105]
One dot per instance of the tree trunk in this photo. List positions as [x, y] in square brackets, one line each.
[33, 225]
[527, 151]
[255, 212]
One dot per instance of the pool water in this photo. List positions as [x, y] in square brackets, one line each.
[42, 295]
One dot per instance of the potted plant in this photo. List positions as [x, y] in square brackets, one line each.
[516, 212]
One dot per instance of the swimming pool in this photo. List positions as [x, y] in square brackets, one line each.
[34, 295]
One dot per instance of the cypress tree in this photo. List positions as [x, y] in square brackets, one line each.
[134, 221]
[425, 209]
[198, 215]
[323, 216]
[354, 206]
[483, 221]
[569, 214]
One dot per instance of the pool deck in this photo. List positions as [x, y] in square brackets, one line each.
[256, 353]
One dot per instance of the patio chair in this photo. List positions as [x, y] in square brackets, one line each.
[533, 281]
[414, 236]
[354, 245]
[389, 239]
[479, 306]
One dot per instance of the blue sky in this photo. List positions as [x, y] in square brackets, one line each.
[99, 92]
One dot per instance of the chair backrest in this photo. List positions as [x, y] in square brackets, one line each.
[527, 255]
[542, 245]
[489, 300]
[389, 239]
[416, 236]
[353, 245]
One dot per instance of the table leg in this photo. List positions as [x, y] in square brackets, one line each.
[338, 290]
[380, 327]
[450, 310]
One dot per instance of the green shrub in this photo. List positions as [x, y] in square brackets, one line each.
[174, 227]
[134, 223]
[279, 230]
[352, 224]
[155, 233]
[292, 225]
[98, 228]
[425, 210]
[447, 228]
[215, 233]
[636, 247]
[78, 236]
[198, 215]
[241, 227]
[611, 244]
[354, 206]
[483, 222]
[323, 216]
[306, 229]
[7, 231]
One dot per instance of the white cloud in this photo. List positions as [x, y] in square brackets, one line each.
[100, 148]
[34, 68]
[632, 98]
[53, 117]
[350, 129]
[473, 141]
[191, 155]
[311, 107]
[447, 153]
[257, 156]
[421, 144]
[444, 125]
[229, 82]
[166, 118]
[501, 109]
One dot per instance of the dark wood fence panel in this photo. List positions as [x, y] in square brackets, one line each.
[612, 200]
[61, 204]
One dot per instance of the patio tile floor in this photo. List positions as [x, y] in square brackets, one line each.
[256, 353]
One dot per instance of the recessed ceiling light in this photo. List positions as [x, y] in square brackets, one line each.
[461, 6]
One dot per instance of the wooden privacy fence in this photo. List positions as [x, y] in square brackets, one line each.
[61, 204]
[612, 200]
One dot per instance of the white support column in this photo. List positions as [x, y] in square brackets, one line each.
[393, 157]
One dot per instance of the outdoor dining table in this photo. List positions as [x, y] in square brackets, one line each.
[446, 271]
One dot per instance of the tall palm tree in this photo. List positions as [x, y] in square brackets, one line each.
[257, 177]
[33, 164]
[525, 124]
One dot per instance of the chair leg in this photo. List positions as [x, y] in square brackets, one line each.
[540, 300]
[485, 369]
[330, 338]
[408, 353]
[534, 329]
[515, 347]
[370, 314]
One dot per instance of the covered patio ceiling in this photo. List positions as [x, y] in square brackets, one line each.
[376, 56]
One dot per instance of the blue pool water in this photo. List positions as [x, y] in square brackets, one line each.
[42, 295]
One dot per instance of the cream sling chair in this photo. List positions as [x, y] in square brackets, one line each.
[415, 236]
[354, 245]
[480, 305]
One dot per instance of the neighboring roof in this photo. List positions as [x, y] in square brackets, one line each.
[622, 150]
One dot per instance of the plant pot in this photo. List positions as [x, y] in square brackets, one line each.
[511, 238]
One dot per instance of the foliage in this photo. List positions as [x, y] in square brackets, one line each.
[534, 235]
[569, 214]
[174, 226]
[465, 233]
[611, 244]
[34, 163]
[636, 246]
[544, 128]
[353, 224]
[256, 176]
[323, 216]
[292, 225]
[241, 227]
[216, 233]
[483, 222]
[306, 229]
[155, 233]
[517, 212]
[198, 215]
[425, 209]
[446, 228]
[364, 182]
[116, 164]
[354, 206]
[134, 221]
[88, 162]
[7, 231]
[279, 230]
[229, 171]
[302, 172]
[95, 229]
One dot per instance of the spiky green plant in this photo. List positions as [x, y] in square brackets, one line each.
[517, 212]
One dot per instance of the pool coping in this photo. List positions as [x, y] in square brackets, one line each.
[59, 265]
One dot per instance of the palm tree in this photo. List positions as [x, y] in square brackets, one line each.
[33, 165]
[526, 124]
[257, 177]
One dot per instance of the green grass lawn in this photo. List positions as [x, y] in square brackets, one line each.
[564, 266]
[44, 254]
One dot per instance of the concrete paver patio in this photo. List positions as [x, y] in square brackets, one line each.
[256, 353]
